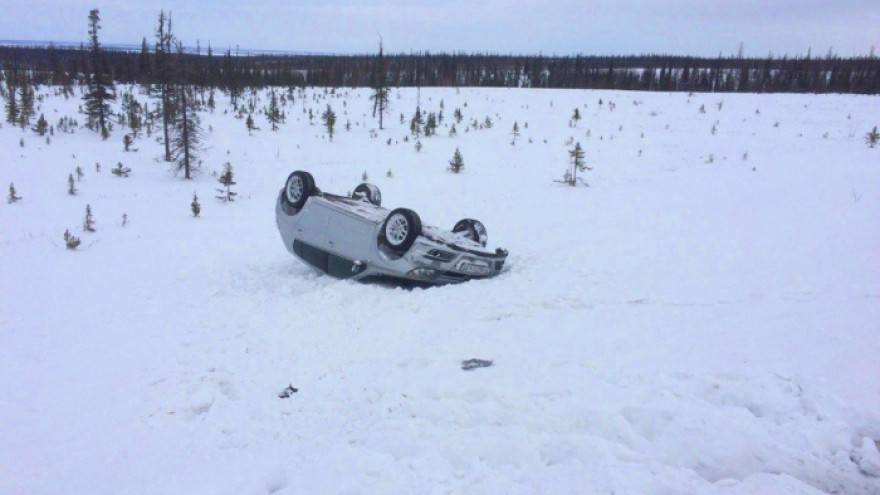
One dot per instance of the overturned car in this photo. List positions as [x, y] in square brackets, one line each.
[354, 237]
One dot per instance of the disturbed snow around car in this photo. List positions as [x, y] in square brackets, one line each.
[702, 318]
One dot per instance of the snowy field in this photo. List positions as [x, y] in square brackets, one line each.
[704, 318]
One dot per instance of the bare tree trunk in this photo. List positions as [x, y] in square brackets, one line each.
[185, 136]
[165, 117]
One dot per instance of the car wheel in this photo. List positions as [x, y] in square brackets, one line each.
[369, 192]
[473, 230]
[400, 229]
[299, 186]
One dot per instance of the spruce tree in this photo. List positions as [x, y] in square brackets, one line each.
[431, 125]
[11, 104]
[514, 132]
[163, 72]
[456, 165]
[41, 126]
[872, 138]
[13, 197]
[379, 84]
[195, 206]
[71, 185]
[89, 221]
[70, 241]
[416, 123]
[273, 114]
[187, 133]
[145, 64]
[132, 109]
[100, 88]
[26, 103]
[577, 164]
[329, 121]
[227, 180]
[120, 170]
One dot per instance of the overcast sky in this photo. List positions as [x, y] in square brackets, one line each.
[561, 27]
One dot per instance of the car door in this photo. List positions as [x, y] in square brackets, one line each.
[349, 236]
[312, 226]
[310, 234]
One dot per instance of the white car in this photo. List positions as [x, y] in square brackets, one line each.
[354, 237]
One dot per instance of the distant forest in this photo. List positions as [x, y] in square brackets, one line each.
[227, 71]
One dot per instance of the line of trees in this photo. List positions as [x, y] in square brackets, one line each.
[164, 73]
[231, 73]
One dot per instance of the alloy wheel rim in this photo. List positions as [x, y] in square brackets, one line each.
[294, 189]
[397, 229]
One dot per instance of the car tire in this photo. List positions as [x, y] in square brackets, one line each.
[369, 192]
[473, 230]
[400, 230]
[299, 186]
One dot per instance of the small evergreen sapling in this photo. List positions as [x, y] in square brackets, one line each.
[431, 125]
[329, 121]
[515, 132]
[456, 165]
[71, 185]
[273, 114]
[872, 138]
[227, 180]
[195, 206]
[120, 170]
[12, 198]
[71, 241]
[42, 126]
[575, 117]
[576, 164]
[79, 174]
[416, 123]
[89, 221]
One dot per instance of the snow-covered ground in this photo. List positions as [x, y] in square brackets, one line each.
[704, 318]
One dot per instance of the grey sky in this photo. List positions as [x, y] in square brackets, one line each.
[563, 27]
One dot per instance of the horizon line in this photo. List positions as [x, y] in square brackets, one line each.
[238, 51]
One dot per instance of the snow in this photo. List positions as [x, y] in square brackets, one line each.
[678, 326]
